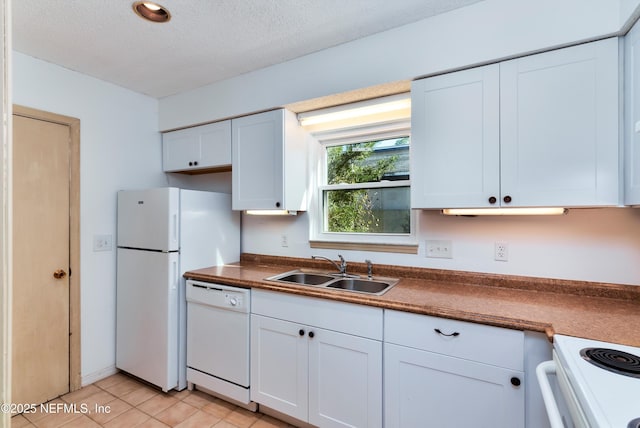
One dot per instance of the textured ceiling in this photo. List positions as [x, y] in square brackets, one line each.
[205, 41]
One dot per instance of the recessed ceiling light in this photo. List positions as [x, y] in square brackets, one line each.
[151, 11]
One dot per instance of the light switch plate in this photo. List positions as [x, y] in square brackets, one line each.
[102, 243]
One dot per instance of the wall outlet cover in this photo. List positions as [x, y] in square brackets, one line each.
[439, 249]
[501, 251]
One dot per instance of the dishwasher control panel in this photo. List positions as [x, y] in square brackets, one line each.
[234, 300]
[218, 296]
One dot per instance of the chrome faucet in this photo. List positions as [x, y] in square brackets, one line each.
[342, 267]
[369, 268]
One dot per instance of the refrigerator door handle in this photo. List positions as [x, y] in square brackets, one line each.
[174, 228]
[176, 279]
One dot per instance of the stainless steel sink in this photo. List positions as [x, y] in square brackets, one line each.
[303, 278]
[361, 285]
[355, 283]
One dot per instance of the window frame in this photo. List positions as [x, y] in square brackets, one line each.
[318, 208]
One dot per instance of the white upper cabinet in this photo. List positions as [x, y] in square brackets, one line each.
[632, 116]
[541, 130]
[200, 148]
[269, 162]
[455, 139]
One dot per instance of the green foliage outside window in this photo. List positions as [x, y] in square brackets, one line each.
[360, 210]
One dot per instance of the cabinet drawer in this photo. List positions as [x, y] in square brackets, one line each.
[490, 345]
[358, 320]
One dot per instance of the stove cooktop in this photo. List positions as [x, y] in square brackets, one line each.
[614, 360]
[608, 398]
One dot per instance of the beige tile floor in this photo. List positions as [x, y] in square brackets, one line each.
[121, 401]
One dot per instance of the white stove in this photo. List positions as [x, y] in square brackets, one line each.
[599, 381]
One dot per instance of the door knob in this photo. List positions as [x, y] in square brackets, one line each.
[60, 273]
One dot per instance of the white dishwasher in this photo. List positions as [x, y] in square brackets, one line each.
[218, 340]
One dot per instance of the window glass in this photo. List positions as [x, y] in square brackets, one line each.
[366, 162]
[350, 208]
[375, 210]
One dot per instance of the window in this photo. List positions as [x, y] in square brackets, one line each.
[367, 187]
[363, 186]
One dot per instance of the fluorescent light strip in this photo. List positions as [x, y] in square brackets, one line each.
[376, 106]
[355, 112]
[271, 212]
[504, 211]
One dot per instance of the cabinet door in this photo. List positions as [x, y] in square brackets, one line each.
[279, 365]
[455, 139]
[632, 116]
[180, 149]
[559, 127]
[257, 153]
[425, 389]
[201, 147]
[215, 144]
[345, 380]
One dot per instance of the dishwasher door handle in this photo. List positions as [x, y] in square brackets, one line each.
[205, 287]
[543, 371]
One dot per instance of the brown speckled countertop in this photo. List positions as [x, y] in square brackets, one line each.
[600, 311]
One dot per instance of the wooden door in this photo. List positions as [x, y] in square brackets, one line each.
[41, 259]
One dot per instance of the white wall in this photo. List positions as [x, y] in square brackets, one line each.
[483, 32]
[119, 148]
[586, 244]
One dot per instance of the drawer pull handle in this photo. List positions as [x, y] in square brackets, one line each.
[454, 334]
[301, 332]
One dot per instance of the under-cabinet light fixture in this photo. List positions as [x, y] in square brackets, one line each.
[504, 211]
[372, 107]
[271, 212]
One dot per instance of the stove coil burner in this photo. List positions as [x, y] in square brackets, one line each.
[613, 360]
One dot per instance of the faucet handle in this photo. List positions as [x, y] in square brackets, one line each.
[369, 268]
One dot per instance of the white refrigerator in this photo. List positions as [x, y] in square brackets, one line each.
[163, 233]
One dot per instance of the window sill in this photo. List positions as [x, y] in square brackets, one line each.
[383, 248]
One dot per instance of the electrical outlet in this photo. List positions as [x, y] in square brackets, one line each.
[439, 249]
[102, 242]
[501, 251]
[284, 241]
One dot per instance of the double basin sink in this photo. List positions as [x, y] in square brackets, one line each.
[347, 282]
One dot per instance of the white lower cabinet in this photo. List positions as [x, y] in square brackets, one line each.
[302, 367]
[279, 366]
[442, 373]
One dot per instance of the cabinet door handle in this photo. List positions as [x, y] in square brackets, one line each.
[515, 381]
[195, 163]
[454, 334]
[492, 200]
[507, 199]
[190, 163]
[311, 334]
[301, 332]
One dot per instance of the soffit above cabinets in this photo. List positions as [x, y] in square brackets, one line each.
[205, 41]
